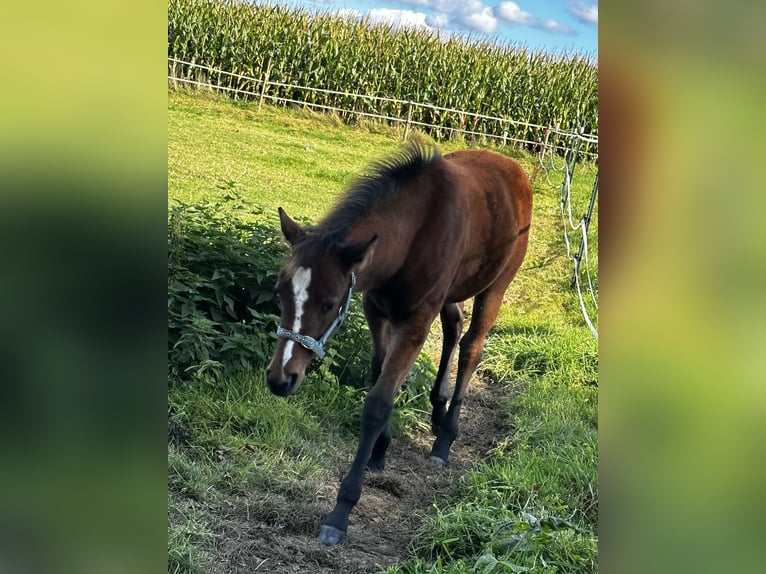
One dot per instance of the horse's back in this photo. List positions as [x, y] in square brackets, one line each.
[496, 177]
[452, 230]
[493, 192]
[495, 198]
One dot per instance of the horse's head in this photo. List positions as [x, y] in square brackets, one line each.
[314, 290]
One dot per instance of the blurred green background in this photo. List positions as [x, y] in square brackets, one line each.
[683, 287]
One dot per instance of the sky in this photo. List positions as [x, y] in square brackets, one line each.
[557, 26]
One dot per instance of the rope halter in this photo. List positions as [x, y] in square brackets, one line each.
[317, 346]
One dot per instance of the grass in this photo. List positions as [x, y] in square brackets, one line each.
[215, 141]
[530, 505]
[546, 468]
[237, 438]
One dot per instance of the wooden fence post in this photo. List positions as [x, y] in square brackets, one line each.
[265, 84]
[545, 142]
[409, 119]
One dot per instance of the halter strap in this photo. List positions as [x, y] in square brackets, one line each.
[317, 346]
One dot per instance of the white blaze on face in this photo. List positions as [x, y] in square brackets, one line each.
[301, 282]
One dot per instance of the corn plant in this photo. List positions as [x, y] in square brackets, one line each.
[347, 55]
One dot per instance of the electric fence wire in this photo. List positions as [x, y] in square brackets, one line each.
[582, 226]
[548, 155]
[181, 72]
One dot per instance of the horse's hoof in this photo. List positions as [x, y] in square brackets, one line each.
[376, 468]
[330, 536]
[437, 461]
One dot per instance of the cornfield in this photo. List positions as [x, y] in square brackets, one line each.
[296, 48]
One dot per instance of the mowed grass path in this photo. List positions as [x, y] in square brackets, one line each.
[540, 351]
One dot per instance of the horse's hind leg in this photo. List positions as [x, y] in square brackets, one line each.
[485, 309]
[452, 326]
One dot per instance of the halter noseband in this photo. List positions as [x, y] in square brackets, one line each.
[317, 346]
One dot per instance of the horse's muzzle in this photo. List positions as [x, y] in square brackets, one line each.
[282, 384]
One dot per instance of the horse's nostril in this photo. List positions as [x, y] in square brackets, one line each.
[282, 384]
[276, 384]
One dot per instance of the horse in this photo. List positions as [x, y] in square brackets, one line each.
[418, 235]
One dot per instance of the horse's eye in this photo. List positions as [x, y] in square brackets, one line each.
[327, 307]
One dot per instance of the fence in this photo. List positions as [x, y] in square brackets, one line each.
[582, 227]
[261, 89]
[548, 144]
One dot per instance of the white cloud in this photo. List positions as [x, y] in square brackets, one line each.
[511, 12]
[398, 18]
[553, 26]
[587, 13]
[475, 15]
[438, 20]
[472, 14]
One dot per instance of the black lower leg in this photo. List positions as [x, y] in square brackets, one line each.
[470, 351]
[375, 415]
[439, 404]
[447, 434]
[377, 460]
[452, 325]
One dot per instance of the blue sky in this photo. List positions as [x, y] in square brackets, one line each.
[568, 26]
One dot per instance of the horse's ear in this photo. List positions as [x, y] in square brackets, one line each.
[355, 256]
[293, 232]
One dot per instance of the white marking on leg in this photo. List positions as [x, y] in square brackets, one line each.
[301, 282]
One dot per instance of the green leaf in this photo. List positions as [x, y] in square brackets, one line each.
[485, 564]
[513, 567]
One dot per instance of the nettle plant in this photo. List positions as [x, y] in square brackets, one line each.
[222, 266]
[223, 260]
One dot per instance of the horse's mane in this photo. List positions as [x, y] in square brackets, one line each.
[381, 180]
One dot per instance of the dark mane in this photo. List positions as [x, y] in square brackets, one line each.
[382, 179]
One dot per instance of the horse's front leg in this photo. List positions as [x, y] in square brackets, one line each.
[406, 340]
[375, 415]
[380, 330]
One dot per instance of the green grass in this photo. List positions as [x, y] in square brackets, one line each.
[531, 504]
[235, 437]
[296, 159]
[546, 468]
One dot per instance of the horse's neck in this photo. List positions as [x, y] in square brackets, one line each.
[390, 250]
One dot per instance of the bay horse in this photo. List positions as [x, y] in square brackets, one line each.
[418, 235]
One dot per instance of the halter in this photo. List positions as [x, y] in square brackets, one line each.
[317, 346]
